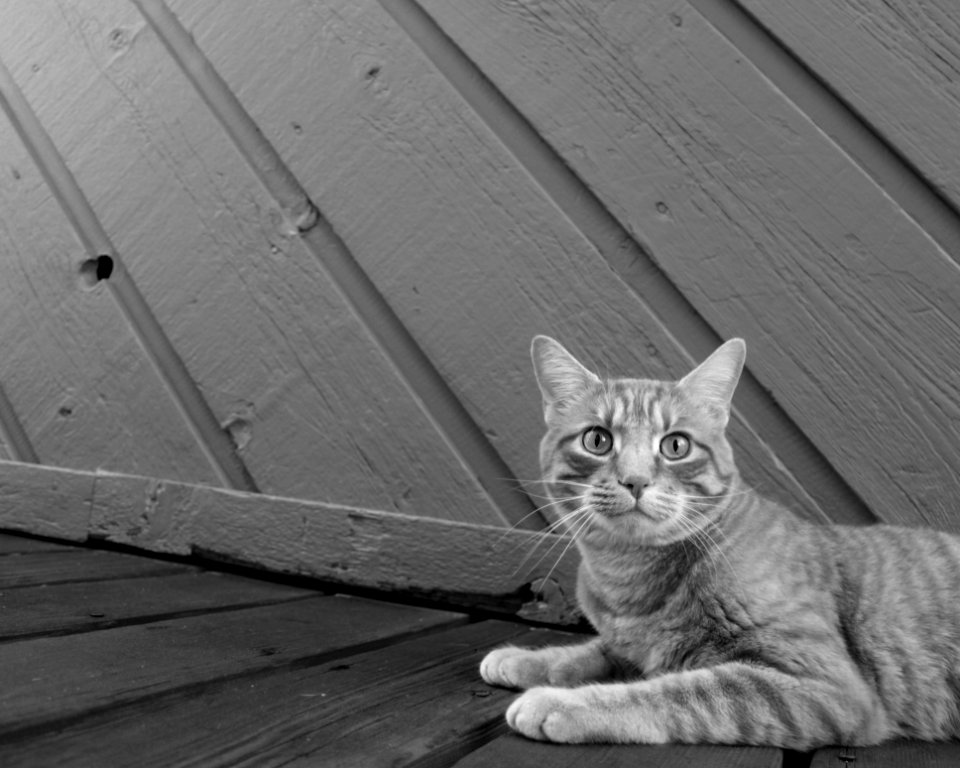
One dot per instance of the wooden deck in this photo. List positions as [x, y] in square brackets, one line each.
[112, 659]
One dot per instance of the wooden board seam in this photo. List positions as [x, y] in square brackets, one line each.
[425, 384]
[284, 660]
[105, 623]
[628, 258]
[213, 441]
[870, 149]
[13, 434]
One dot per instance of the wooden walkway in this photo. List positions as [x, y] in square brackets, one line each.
[110, 659]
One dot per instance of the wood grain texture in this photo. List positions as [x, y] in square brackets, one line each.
[45, 502]
[44, 568]
[287, 368]
[413, 367]
[505, 570]
[83, 606]
[56, 679]
[765, 226]
[104, 265]
[472, 257]
[78, 382]
[400, 705]
[518, 752]
[481, 564]
[898, 754]
[896, 63]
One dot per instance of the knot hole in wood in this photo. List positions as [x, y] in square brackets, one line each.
[92, 271]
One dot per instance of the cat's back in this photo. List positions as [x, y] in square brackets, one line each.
[890, 572]
[897, 597]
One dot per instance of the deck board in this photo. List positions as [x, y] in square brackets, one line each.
[85, 606]
[110, 664]
[57, 679]
[79, 565]
[518, 752]
[896, 754]
[412, 700]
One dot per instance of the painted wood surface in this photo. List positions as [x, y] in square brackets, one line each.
[75, 377]
[896, 63]
[766, 227]
[46, 501]
[82, 605]
[511, 571]
[59, 678]
[899, 754]
[58, 567]
[419, 699]
[518, 752]
[480, 259]
[294, 378]
[640, 181]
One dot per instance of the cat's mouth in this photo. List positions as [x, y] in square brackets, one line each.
[635, 508]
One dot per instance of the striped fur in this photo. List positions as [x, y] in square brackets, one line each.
[720, 616]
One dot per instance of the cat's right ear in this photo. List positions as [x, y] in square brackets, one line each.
[559, 374]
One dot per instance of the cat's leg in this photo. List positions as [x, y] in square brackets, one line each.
[562, 665]
[732, 703]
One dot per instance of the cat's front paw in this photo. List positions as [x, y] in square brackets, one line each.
[514, 668]
[552, 714]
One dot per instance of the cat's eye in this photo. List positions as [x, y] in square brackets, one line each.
[597, 441]
[675, 446]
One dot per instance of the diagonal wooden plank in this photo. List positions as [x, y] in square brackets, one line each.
[416, 702]
[766, 226]
[518, 752]
[56, 680]
[89, 605]
[86, 394]
[289, 371]
[79, 565]
[895, 63]
[897, 754]
[103, 266]
[468, 251]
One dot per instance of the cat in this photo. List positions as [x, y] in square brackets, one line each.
[720, 616]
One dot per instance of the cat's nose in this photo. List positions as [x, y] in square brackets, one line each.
[635, 484]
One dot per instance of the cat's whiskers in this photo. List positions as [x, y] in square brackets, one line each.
[583, 523]
[574, 521]
[551, 525]
[684, 508]
[704, 544]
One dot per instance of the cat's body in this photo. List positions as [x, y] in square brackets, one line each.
[721, 617]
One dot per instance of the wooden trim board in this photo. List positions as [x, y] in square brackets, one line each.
[530, 574]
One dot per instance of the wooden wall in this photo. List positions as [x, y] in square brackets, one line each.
[334, 226]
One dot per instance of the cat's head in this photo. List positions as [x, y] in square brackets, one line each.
[645, 461]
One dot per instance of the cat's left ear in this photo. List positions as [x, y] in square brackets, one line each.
[713, 381]
[560, 375]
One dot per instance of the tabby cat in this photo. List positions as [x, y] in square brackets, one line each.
[720, 616]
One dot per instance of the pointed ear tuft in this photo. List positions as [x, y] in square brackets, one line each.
[559, 374]
[714, 380]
